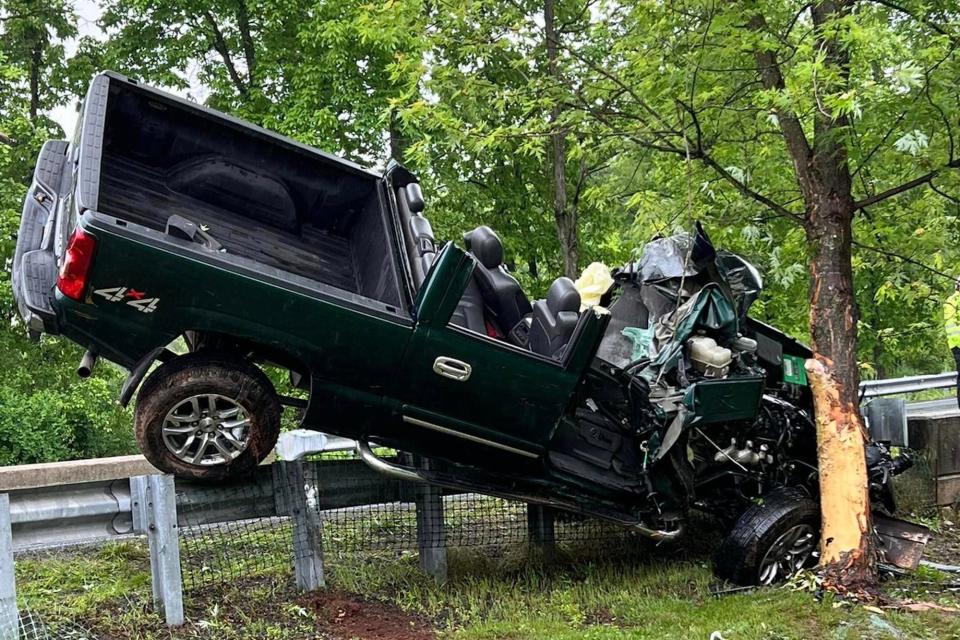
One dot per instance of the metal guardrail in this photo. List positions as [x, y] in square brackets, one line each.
[70, 514]
[66, 513]
[153, 506]
[910, 384]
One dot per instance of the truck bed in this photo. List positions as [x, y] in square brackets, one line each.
[262, 197]
[137, 193]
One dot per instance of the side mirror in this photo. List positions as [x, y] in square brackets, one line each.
[443, 286]
[415, 197]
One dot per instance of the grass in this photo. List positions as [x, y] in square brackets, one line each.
[593, 591]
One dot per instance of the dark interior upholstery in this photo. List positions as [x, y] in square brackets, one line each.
[469, 311]
[418, 235]
[502, 295]
[555, 319]
[260, 198]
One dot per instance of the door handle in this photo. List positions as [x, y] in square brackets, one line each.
[453, 369]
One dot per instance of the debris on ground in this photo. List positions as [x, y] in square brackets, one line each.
[922, 606]
[880, 624]
[944, 546]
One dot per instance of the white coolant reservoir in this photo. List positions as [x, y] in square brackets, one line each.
[709, 358]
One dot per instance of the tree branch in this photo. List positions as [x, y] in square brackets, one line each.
[897, 256]
[220, 45]
[793, 135]
[619, 83]
[696, 127]
[7, 140]
[933, 26]
[906, 186]
[943, 194]
[903, 114]
[747, 191]
[246, 39]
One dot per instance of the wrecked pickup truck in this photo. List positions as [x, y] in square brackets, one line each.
[165, 222]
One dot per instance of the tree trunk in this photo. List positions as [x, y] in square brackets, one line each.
[398, 141]
[564, 217]
[847, 555]
[823, 174]
[36, 60]
[246, 41]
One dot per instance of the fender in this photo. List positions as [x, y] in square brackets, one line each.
[139, 370]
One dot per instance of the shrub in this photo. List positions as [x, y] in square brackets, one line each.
[81, 421]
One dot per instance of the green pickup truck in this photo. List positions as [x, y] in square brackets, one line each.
[165, 222]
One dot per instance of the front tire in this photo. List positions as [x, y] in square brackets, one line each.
[205, 416]
[771, 541]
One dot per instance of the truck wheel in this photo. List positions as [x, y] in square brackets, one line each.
[204, 416]
[772, 540]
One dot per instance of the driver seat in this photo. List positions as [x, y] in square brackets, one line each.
[502, 295]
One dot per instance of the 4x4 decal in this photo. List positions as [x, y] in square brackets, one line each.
[131, 296]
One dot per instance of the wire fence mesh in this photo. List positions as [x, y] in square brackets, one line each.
[357, 510]
[231, 531]
[32, 626]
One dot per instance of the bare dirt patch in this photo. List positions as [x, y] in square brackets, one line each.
[343, 615]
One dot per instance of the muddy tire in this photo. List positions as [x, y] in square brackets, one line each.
[204, 416]
[771, 540]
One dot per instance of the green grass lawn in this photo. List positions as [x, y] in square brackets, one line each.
[592, 591]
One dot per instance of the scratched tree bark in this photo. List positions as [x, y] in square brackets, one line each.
[846, 547]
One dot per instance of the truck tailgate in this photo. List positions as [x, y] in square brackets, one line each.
[34, 260]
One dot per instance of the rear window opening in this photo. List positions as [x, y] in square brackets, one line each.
[260, 198]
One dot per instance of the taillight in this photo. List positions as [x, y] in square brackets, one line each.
[77, 260]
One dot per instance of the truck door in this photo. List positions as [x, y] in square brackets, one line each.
[482, 390]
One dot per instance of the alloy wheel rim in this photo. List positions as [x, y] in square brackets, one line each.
[206, 430]
[788, 554]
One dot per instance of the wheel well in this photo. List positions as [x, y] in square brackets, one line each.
[261, 355]
[249, 350]
[245, 348]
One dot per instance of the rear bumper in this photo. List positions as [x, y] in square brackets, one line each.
[34, 260]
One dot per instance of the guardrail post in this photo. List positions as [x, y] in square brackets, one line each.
[154, 506]
[300, 500]
[9, 616]
[431, 536]
[540, 529]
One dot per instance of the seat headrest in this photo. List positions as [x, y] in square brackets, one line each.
[484, 243]
[563, 296]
